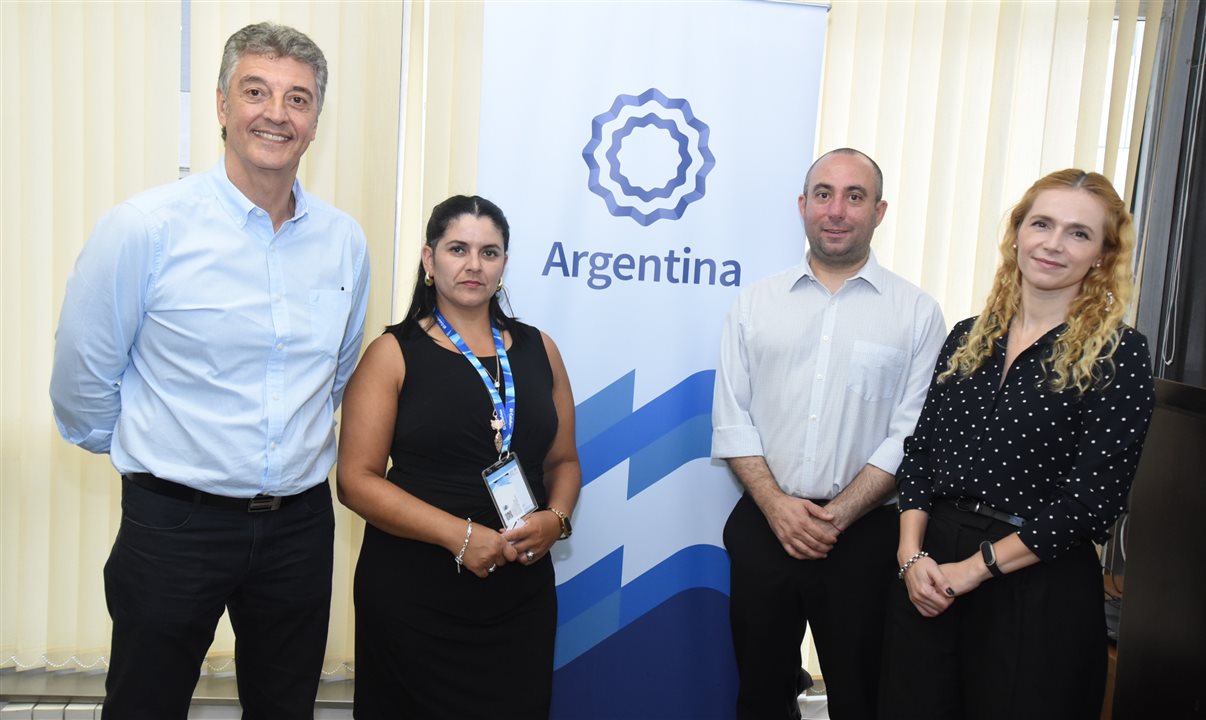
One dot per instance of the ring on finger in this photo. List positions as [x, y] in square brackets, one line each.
[492, 568]
[530, 555]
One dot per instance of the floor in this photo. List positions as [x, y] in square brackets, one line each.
[213, 699]
[814, 703]
[811, 708]
[814, 708]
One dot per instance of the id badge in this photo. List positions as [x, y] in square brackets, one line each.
[509, 490]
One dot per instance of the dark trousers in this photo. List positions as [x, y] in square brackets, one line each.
[176, 564]
[1031, 644]
[774, 596]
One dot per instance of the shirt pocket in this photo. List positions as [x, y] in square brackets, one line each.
[329, 318]
[875, 370]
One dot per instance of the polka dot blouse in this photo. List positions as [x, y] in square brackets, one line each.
[1062, 461]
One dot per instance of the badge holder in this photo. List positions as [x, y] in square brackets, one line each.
[510, 491]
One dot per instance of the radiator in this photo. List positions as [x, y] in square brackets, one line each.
[50, 711]
[92, 711]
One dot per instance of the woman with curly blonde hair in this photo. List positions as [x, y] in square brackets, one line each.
[1023, 456]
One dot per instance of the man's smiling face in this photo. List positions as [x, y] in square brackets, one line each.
[270, 116]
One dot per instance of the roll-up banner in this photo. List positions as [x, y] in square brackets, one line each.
[648, 156]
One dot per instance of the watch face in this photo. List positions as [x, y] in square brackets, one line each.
[987, 552]
[990, 558]
[566, 528]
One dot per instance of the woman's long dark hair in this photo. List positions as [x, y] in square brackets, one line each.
[423, 301]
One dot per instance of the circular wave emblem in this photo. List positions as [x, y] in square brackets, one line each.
[648, 157]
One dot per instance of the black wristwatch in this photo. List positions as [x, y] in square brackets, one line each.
[566, 528]
[990, 558]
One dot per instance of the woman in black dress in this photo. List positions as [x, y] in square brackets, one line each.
[1022, 457]
[455, 616]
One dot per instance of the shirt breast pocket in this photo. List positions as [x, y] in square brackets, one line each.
[329, 318]
[874, 371]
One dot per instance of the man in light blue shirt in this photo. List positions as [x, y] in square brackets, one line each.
[208, 331]
[823, 371]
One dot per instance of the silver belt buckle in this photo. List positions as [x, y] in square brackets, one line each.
[264, 503]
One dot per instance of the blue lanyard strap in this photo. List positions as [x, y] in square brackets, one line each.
[504, 406]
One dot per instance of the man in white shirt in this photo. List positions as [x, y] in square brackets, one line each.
[823, 371]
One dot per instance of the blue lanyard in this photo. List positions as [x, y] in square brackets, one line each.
[504, 409]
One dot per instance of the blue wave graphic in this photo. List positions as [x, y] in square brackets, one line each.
[603, 409]
[582, 625]
[673, 429]
[674, 663]
[669, 431]
[583, 591]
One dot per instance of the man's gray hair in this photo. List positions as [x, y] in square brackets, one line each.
[277, 41]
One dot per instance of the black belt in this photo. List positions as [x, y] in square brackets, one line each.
[259, 503]
[978, 507]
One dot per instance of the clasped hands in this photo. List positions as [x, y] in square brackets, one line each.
[806, 530]
[490, 549]
[933, 587]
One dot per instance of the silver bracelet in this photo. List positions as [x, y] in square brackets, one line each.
[460, 557]
[905, 568]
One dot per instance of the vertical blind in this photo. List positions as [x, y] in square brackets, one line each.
[965, 104]
[92, 116]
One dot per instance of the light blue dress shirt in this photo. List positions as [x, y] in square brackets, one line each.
[821, 384]
[198, 345]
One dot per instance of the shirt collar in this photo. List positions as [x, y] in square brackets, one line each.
[871, 272]
[236, 203]
[1046, 340]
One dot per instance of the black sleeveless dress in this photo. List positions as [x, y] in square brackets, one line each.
[432, 643]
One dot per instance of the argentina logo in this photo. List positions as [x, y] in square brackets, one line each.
[648, 157]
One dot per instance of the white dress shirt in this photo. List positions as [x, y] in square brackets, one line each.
[820, 383]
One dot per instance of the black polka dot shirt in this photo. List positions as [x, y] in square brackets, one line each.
[1063, 462]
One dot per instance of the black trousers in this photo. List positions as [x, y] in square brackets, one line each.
[1031, 644]
[773, 597]
[176, 564]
